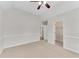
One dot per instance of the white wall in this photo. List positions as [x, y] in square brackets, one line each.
[71, 29]
[20, 27]
[51, 31]
[1, 32]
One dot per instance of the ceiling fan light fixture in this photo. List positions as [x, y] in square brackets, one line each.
[40, 3]
[44, 2]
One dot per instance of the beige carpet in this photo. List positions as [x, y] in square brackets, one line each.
[39, 49]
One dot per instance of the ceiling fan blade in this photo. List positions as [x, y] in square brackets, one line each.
[38, 7]
[47, 5]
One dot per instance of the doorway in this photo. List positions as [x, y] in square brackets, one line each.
[59, 33]
[43, 31]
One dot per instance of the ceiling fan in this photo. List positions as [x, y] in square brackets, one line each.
[41, 3]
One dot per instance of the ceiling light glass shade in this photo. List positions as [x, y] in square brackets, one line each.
[44, 2]
[39, 3]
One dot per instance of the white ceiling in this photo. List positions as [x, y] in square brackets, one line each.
[57, 7]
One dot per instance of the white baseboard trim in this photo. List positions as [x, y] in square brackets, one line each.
[16, 40]
[71, 50]
[21, 44]
[71, 43]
